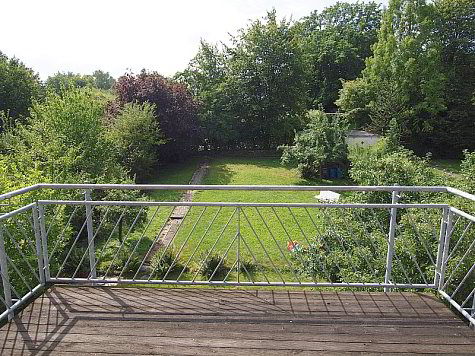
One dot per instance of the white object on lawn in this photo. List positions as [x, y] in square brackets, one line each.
[328, 195]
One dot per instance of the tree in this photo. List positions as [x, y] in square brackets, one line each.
[19, 87]
[103, 80]
[64, 81]
[454, 29]
[207, 78]
[267, 82]
[421, 74]
[134, 135]
[175, 110]
[321, 142]
[337, 42]
[403, 78]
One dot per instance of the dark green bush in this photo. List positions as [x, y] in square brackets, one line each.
[163, 261]
[213, 263]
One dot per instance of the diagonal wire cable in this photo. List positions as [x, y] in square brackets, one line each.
[460, 239]
[199, 243]
[61, 235]
[262, 246]
[124, 240]
[419, 237]
[138, 242]
[223, 257]
[278, 246]
[90, 243]
[18, 248]
[216, 242]
[254, 257]
[177, 256]
[309, 244]
[463, 281]
[395, 255]
[107, 242]
[169, 244]
[75, 241]
[335, 262]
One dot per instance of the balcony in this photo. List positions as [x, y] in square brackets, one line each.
[85, 274]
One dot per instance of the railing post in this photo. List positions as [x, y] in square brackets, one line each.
[5, 278]
[238, 232]
[44, 242]
[39, 257]
[391, 236]
[445, 254]
[90, 235]
[440, 249]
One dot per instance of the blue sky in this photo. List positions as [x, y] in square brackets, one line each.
[116, 36]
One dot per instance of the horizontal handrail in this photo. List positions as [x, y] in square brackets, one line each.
[244, 187]
[246, 284]
[239, 204]
[461, 193]
[17, 211]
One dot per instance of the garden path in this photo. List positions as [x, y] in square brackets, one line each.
[179, 212]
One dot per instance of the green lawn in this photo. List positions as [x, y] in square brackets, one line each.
[451, 166]
[264, 232]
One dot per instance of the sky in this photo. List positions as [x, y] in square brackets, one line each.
[119, 36]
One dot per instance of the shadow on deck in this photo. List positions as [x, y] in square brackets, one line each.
[86, 320]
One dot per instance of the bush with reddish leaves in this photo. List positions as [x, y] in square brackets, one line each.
[175, 110]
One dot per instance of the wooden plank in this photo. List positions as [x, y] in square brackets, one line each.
[199, 321]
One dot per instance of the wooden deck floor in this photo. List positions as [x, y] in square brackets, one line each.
[85, 320]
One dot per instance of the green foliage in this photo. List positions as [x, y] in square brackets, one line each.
[385, 165]
[336, 43]
[64, 81]
[252, 94]
[165, 260]
[134, 135]
[213, 266]
[103, 80]
[468, 172]
[267, 74]
[322, 142]
[421, 74]
[19, 87]
[175, 111]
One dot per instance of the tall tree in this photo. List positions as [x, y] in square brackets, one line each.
[175, 110]
[337, 41]
[421, 74]
[207, 79]
[19, 86]
[267, 81]
[103, 80]
[454, 29]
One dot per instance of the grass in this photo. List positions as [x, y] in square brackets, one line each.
[264, 232]
[450, 166]
[207, 232]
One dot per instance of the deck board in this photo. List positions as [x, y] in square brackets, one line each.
[187, 321]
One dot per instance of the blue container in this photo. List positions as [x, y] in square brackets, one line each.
[333, 173]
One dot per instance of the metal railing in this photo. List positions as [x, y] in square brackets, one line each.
[385, 246]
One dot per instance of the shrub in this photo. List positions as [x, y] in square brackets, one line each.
[162, 261]
[175, 110]
[467, 168]
[322, 142]
[249, 266]
[135, 136]
[380, 165]
[213, 263]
